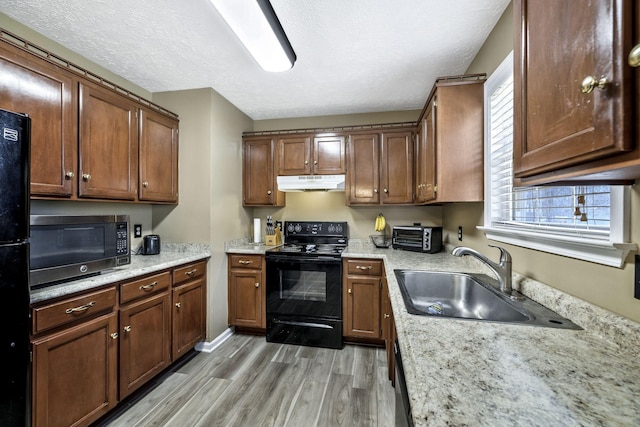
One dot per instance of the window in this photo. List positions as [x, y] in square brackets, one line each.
[584, 222]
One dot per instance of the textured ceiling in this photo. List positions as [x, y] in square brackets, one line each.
[354, 56]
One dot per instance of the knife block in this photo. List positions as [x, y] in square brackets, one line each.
[273, 239]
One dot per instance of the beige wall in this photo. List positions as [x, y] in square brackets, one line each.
[608, 287]
[210, 187]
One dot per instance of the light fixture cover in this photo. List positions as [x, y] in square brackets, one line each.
[256, 25]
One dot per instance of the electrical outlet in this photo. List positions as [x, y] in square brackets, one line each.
[460, 233]
[137, 230]
[636, 279]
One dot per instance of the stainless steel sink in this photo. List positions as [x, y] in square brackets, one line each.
[471, 296]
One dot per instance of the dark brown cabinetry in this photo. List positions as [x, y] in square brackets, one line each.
[258, 173]
[108, 145]
[75, 353]
[322, 154]
[380, 168]
[388, 328]
[90, 138]
[158, 171]
[574, 95]
[189, 307]
[145, 330]
[362, 285]
[47, 93]
[450, 151]
[247, 296]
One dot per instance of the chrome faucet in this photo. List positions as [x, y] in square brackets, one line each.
[502, 270]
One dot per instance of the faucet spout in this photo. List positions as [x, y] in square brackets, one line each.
[502, 269]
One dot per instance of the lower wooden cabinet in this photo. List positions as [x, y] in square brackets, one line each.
[189, 307]
[388, 329]
[145, 336]
[94, 349]
[362, 285]
[75, 373]
[247, 295]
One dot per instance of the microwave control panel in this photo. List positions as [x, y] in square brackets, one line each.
[122, 238]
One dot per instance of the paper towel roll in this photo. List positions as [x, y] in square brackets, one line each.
[257, 231]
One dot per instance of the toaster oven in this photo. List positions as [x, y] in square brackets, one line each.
[417, 238]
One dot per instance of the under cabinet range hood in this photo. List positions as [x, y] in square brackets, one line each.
[311, 183]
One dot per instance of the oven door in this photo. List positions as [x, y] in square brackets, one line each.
[309, 286]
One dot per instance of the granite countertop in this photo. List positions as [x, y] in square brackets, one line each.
[465, 372]
[171, 255]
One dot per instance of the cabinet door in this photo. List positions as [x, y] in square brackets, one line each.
[397, 168]
[48, 96]
[425, 157]
[363, 173]
[189, 316]
[75, 374]
[158, 180]
[557, 46]
[294, 155]
[329, 155]
[145, 345]
[362, 307]
[258, 177]
[246, 299]
[387, 327]
[108, 145]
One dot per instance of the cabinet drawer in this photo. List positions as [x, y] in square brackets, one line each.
[67, 311]
[368, 267]
[189, 272]
[143, 287]
[246, 261]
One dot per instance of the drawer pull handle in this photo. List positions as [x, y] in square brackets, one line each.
[149, 286]
[81, 308]
[386, 316]
[245, 261]
[114, 335]
[191, 272]
[127, 328]
[178, 305]
[364, 267]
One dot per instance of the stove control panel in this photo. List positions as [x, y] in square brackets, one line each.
[311, 228]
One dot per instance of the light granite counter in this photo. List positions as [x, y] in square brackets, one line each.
[171, 255]
[473, 373]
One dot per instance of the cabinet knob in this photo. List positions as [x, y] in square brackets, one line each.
[385, 190]
[590, 83]
[127, 328]
[306, 162]
[634, 56]
[145, 184]
[69, 175]
[257, 285]
[269, 192]
[178, 305]
[114, 335]
[349, 290]
[315, 162]
[86, 177]
[375, 190]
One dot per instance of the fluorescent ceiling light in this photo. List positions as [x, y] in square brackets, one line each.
[258, 28]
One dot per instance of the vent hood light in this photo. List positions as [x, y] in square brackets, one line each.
[311, 183]
[258, 28]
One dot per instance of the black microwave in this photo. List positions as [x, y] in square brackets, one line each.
[417, 238]
[66, 247]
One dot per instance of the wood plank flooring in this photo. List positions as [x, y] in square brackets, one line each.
[250, 382]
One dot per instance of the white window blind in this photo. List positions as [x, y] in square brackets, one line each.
[555, 219]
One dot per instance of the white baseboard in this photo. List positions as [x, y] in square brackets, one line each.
[209, 346]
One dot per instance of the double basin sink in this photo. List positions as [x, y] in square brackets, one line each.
[474, 297]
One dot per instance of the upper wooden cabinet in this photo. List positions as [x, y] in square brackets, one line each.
[380, 168]
[90, 138]
[363, 173]
[158, 179]
[48, 95]
[108, 145]
[258, 173]
[450, 152]
[322, 154]
[396, 168]
[574, 92]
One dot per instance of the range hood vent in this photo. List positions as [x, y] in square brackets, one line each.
[311, 183]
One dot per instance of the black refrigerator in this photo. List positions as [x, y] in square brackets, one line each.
[15, 374]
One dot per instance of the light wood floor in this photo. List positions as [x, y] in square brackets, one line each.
[250, 382]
